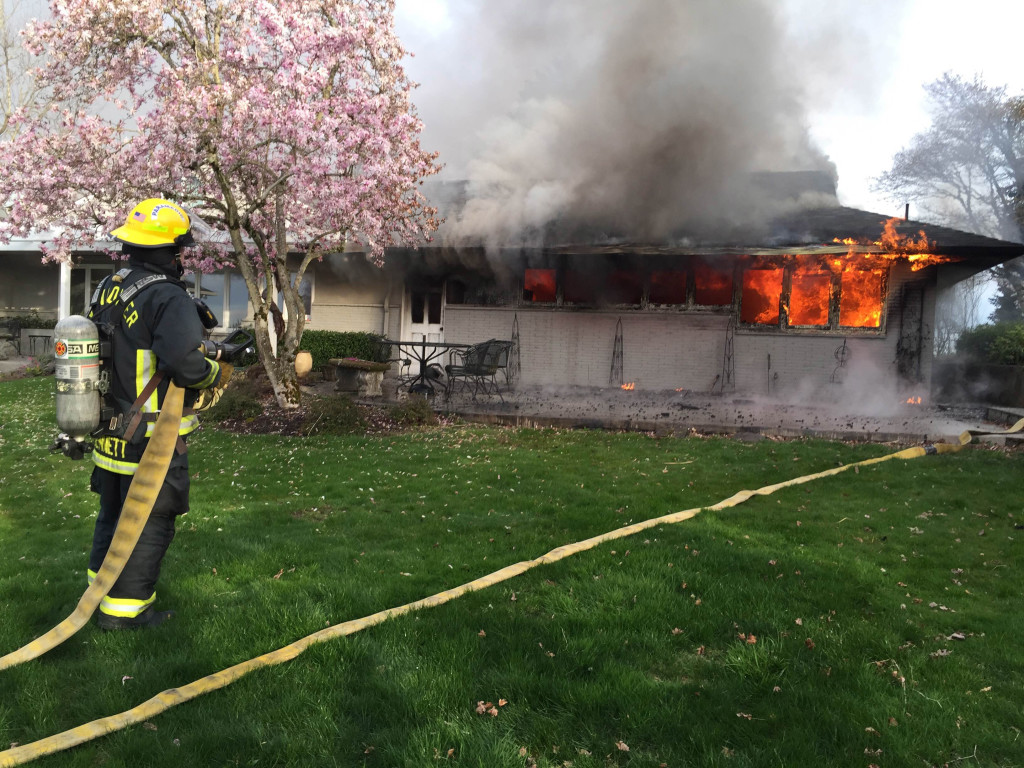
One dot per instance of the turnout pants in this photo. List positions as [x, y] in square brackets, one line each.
[135, 589]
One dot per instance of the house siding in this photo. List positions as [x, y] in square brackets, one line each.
[686, 350]
[339, 305]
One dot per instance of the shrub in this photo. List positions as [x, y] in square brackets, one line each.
[334, 415]
[323, 345]
[244, 396]
[41, 365]
[255, 381]
[235, 403]
[998, 343]
[415, 410]
[1008, 348]
[31, 320]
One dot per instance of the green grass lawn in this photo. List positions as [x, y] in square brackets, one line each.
[869, 618]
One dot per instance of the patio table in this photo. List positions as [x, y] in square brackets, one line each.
[423, 352]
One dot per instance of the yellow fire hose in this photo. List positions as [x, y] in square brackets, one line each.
[173, 696]
[142, 495]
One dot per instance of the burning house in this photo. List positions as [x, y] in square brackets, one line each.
[616, 221]
[820, 301]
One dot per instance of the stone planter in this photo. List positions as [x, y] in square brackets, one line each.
[358, 377]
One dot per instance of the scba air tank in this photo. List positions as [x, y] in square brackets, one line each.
[76, 349]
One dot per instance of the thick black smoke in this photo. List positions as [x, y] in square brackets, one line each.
[644, 118]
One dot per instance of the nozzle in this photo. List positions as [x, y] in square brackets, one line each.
[236, 345]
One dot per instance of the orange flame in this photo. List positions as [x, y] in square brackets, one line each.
[629, 386]
[893, 242]
[917, 252]
[762, 292]
[860, 297]
[809, 296]
[914, 400]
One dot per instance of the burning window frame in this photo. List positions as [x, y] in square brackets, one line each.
[835, 268]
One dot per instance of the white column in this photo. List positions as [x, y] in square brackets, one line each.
[64, 291]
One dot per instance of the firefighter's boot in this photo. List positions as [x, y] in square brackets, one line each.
[148, 618]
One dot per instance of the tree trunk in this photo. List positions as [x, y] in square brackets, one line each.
[280, 366]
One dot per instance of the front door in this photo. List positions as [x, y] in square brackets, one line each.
[425, 311]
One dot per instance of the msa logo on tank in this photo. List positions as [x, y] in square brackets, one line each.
[76, 360]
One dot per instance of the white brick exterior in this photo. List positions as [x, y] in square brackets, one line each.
[662, 350]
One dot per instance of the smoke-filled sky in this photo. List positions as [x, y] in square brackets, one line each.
[607, 105]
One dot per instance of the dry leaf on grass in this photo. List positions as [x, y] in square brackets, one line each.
[621, 746]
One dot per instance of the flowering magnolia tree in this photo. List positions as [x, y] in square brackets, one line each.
[284, 124]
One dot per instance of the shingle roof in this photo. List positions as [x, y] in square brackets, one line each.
[801, 230]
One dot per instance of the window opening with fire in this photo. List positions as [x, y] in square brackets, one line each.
[813, 293]
[540, 286]
[713, 283]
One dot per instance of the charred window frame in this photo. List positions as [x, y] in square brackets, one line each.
[479, 291]
[627, 281]
[605, 280]
[801, 277]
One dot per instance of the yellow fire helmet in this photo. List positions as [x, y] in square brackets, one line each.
[155, 223]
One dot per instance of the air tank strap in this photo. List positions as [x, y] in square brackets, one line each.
[134, 416]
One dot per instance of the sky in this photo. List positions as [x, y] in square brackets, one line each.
[861, 65]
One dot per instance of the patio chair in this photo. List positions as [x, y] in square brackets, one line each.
[477, 367]
[387, 352]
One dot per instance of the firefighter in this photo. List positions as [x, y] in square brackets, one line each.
[155, 336]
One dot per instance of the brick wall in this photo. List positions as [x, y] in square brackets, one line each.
[665, 350]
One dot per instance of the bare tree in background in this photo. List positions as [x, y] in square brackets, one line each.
[967, 171]
[959, 309]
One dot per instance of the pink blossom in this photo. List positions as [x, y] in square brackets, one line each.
[249, 113]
